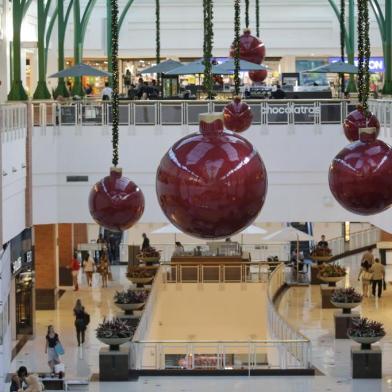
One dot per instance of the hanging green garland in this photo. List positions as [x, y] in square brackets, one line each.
[257, 18]
[342, 20]
[158, 31]
[115, 78]
[363, 53]
[247, 13]
[207, 46]
[237, 27]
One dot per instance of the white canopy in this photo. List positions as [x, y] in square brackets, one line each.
[288, 234]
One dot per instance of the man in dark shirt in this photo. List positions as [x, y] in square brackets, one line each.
[146, 242]
[279, 93]
[323, 243]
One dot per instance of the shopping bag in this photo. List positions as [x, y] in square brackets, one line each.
[384, 284]
[59, 349]
[110, 276]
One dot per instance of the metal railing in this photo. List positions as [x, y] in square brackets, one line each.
[291, 351]
[171, 113]
[357, 240]
[220, 273]
[382, 108]
[13, 117]
[297, 345]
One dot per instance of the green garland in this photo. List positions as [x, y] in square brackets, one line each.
[158, 31]
[237, 27]
[246, 13]
[257, 18]
[115, 78]
[363, 53]
[342, 37]
[207, 46]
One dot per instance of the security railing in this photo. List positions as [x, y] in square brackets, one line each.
[287, 349]
[13, 117]
[297, 346]
[382, 108]
[357, 240]
[179, 113]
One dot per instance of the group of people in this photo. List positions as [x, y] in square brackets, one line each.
[23, 381]
[89, 267]
[143, 90]
[372, 273]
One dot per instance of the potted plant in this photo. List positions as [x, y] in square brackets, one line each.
[130, 300]
[366, 332]
[141, 275]
[149, 255]
[331, 273]
[114, 333]
[346, 299]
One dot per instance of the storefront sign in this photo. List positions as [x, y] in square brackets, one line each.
[376, 64]
[282, 113]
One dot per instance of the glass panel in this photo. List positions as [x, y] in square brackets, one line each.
[145, 114]
[193, 111]
[171, 114]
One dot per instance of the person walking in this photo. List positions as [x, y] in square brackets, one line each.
[75, 267]
[378, 272]
[52, 339]
[104, 269]
[146, 242]
[368, 256]
[81, 318]
[366, 276]
[89, 265]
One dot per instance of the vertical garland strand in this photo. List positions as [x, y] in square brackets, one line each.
[207, 45]
[115, 78]
[158, 31]
[237, 22]
[342, 38]
[247, 13]
[258, 18]
[363, 53]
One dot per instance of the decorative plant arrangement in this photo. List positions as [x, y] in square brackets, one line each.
[149, 255]
[131, 297]
[114, 332]
[141, 275]
[366, 332]
[331, 273]
[346, 299]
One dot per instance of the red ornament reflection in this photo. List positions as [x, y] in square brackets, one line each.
[115, 202]
[211, 184]
[237, 116]
[360, 176]
[251, 48]
[258, 76]
[358, 119]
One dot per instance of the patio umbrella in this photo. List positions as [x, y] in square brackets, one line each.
[163, 67]
[252, 229]
[229, 67]
[79, 70]
[337, 67]
[196, 67]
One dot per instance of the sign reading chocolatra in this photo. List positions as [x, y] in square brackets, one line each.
[376, 64]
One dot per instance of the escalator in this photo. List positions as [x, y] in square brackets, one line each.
[304, 246]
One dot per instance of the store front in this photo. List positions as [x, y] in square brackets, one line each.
[22, 269]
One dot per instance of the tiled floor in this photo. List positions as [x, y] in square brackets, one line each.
[301, 305]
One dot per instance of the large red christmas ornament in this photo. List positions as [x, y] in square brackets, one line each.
[359, 119]
[115, 202]
[211, 184]
[360, 176]
[237, 116]
[258, 76]
[251, 48]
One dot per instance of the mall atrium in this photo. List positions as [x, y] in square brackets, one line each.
[196, 195]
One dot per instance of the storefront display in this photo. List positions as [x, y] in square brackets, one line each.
[22, 268]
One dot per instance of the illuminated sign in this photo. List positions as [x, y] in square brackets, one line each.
[17, 265]
[376, 64]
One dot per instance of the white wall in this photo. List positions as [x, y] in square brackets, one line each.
[296, 157]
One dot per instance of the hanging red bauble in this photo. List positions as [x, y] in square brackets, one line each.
[359, 119]
[251, 48]
[115, 202]
[258, 76]
[211, 184]
[360, 176]
[237, 116]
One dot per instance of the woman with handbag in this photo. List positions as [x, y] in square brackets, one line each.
[366, 276]
[53, 347]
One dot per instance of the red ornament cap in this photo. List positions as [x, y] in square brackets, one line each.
[368, 135]
[211, 124]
